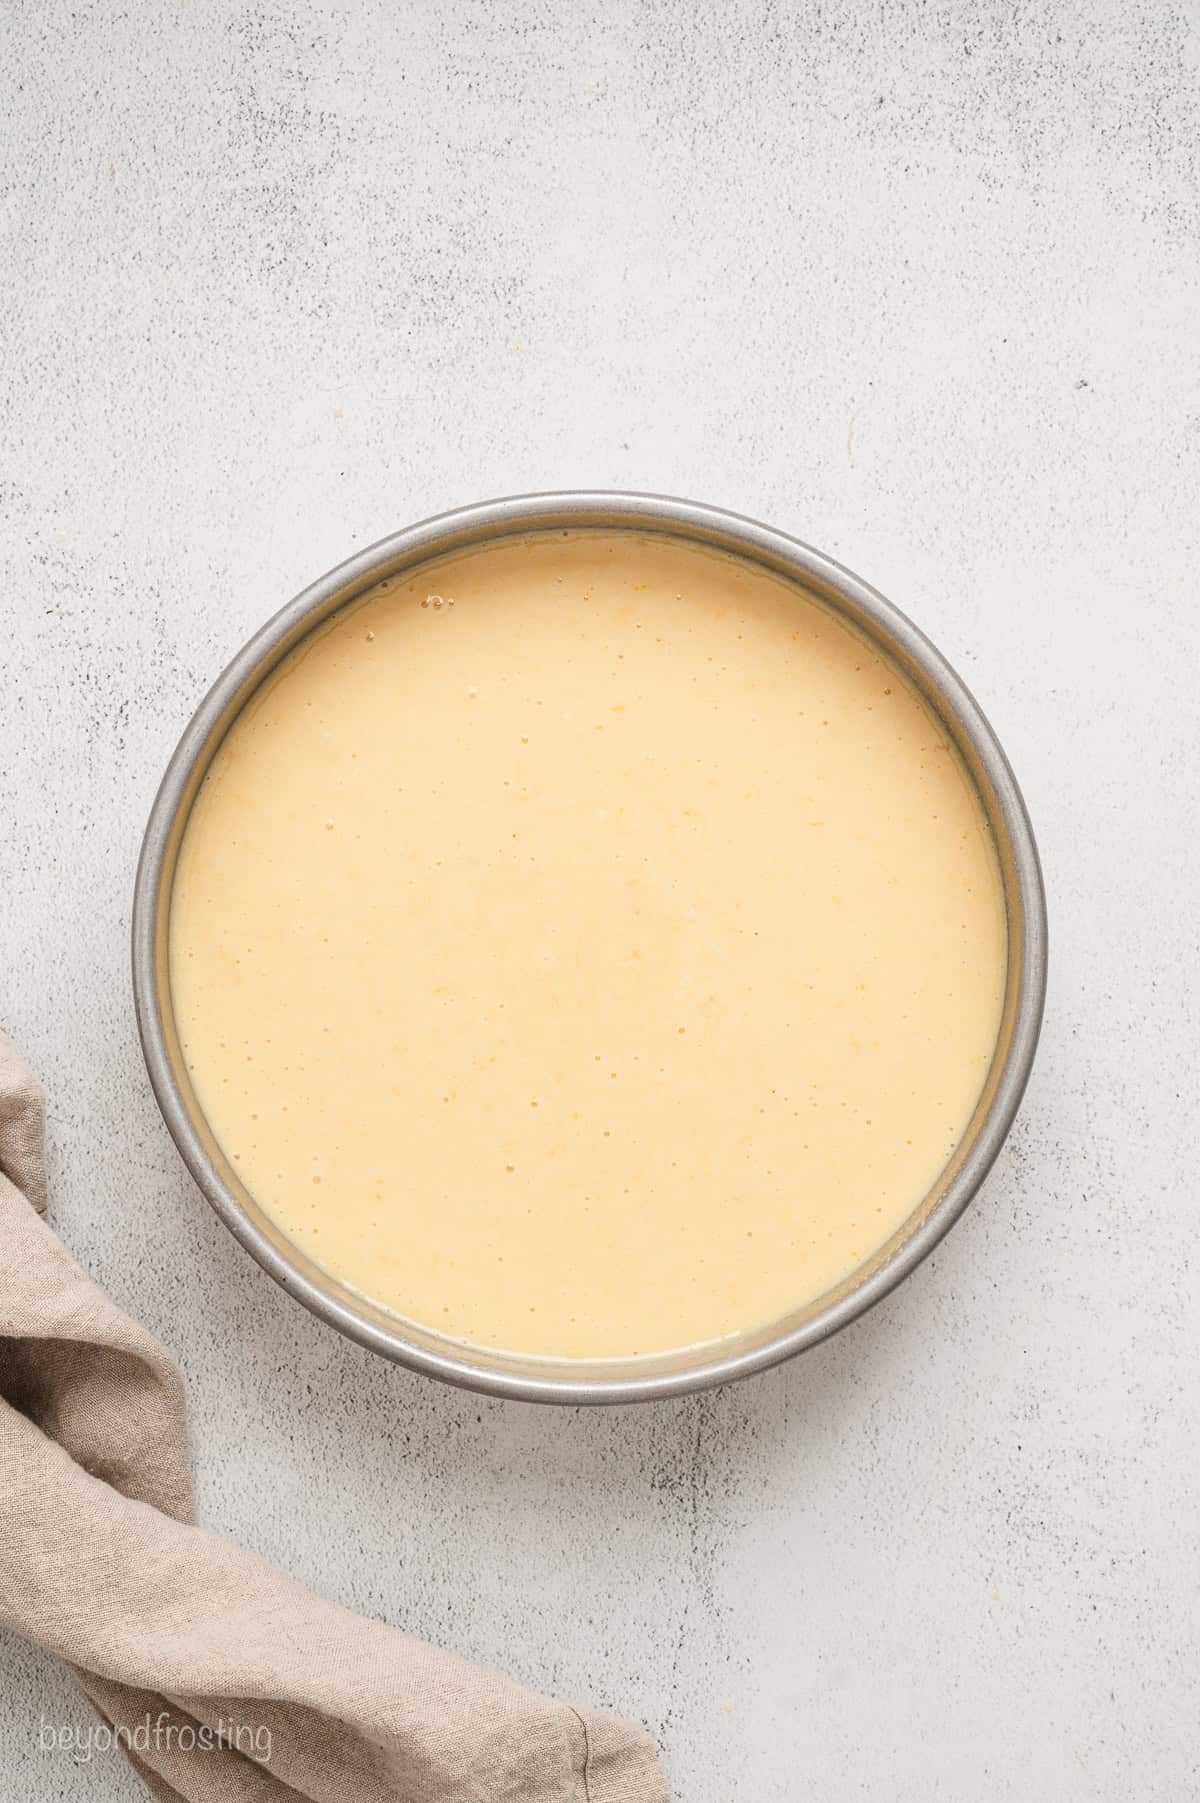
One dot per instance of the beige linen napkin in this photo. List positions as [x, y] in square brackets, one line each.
[222, 1680]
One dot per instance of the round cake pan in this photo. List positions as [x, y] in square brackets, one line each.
[609, 1381]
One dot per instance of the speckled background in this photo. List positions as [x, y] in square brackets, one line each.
[921, 284]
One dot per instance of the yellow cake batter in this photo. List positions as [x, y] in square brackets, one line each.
[588, 946]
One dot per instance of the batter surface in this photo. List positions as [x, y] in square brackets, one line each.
[588, 946]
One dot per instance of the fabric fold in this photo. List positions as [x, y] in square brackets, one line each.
[221, 1679]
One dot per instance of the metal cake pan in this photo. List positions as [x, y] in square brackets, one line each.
[718, 1362]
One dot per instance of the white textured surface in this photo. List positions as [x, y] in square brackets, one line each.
[920, 284]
